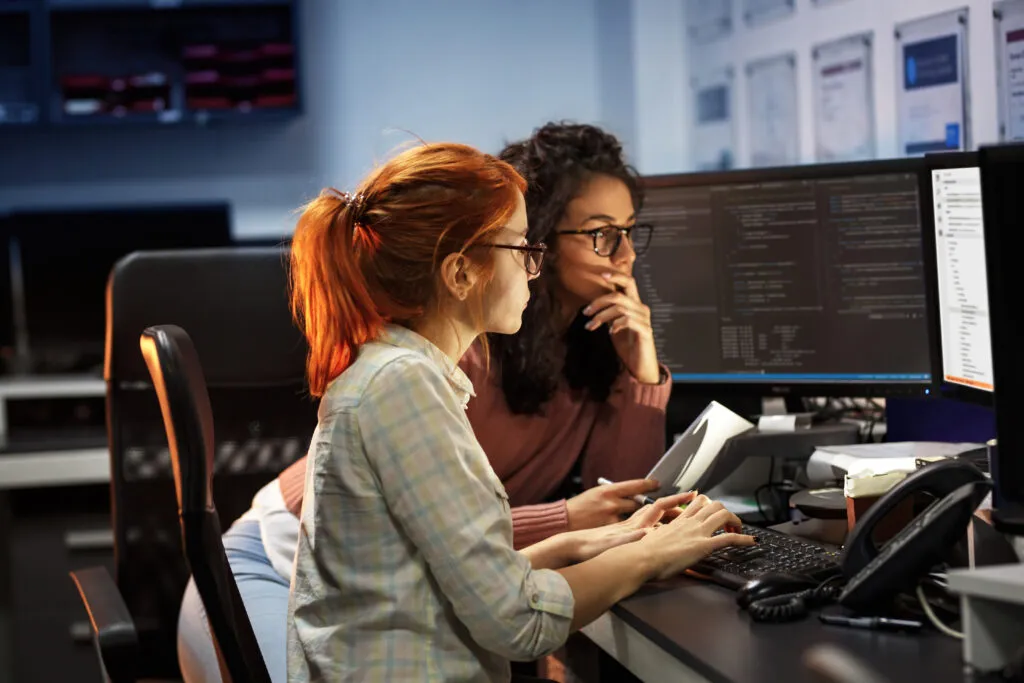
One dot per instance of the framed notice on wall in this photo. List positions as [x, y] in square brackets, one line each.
[1008, 19]
[844, 109]
[932, 88]
[756, 12]
[708, 20]
[714, 125]
[773, 122]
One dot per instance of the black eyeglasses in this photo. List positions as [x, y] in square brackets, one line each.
[608, 238]
[533, 254]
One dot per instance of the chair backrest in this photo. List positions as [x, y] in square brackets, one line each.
[188, 419]
[233, 302]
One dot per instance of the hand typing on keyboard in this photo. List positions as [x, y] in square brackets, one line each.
[775, 553]
[584, 544]
[702, 528]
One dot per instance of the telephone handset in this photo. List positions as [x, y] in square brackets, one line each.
[876, 575]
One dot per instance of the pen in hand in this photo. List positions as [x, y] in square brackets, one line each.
[639, 499]
[871, 623]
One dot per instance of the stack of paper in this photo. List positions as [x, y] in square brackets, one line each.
[872, 469]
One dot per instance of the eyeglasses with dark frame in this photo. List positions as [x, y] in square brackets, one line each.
[608, 238]
[533, 254]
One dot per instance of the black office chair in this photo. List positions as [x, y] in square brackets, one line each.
[188, 419]
[233, 301]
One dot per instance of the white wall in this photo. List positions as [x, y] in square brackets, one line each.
[662, 72]
[477, 71]
[664, 62]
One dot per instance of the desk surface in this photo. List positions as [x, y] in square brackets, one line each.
[699, 624]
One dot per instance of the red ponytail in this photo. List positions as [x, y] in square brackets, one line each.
[360, 261]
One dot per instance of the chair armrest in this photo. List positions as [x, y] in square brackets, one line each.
[112, 625]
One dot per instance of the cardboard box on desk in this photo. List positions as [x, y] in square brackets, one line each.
[870, 479]
[863, 489]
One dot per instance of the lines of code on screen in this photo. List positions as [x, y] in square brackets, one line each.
[798, 280]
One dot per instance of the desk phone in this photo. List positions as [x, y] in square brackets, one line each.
[863, 576]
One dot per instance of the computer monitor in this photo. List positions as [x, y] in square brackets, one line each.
[1002, 177]
[802, 280]
[955, 276]
[62, 259]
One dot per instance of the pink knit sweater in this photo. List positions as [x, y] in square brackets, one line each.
[619, 439]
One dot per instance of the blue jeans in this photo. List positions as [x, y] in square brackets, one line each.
[265, 596]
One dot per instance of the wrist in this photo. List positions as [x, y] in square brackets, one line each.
[640, 560]
[554, 552]
[650, 375]
[564, 549]
[570, 548]
[650, 565]
[636, 563]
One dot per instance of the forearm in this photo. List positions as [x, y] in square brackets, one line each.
[554, 552]
[599, 583]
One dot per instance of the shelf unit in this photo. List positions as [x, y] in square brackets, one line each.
[132, 62]
[53, 467]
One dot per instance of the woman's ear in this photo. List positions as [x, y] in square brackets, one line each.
[459, 275]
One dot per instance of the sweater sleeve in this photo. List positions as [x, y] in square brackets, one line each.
[292, 481]
[533, 523]
[628, 436]
[530, 523]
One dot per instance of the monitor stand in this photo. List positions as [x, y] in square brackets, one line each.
[795, 405]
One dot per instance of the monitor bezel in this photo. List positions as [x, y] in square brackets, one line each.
[933, 162]
[1002, 262]
[744, 385]
[21, 218]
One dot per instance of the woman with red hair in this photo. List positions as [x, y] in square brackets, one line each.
[405, 569]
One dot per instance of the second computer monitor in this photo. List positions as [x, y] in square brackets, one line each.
[1002, 177]
[804, 280]
[954, 247]
[64, 256]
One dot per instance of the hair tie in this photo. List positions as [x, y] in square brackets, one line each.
[354, 201]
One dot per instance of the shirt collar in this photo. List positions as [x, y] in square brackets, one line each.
[403, 337]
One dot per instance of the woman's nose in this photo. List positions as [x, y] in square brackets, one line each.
[624, 255]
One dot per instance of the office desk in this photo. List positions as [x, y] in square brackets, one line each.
[690, 630]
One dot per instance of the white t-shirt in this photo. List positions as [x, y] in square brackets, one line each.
[279, 528]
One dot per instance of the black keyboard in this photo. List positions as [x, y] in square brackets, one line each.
[775, 553]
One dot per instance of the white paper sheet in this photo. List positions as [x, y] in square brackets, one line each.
[773, 119]
[844, 112]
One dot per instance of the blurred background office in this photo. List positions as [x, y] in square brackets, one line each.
[481, 73]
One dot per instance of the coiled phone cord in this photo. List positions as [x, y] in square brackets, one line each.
[794, 606]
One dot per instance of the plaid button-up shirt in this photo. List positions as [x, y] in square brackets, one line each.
[405, 569]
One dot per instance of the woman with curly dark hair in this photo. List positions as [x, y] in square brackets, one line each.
[585, 353]
[577, 389]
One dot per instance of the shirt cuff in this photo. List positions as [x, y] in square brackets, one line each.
[550, 592]
[654, 395]
[533, 523]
